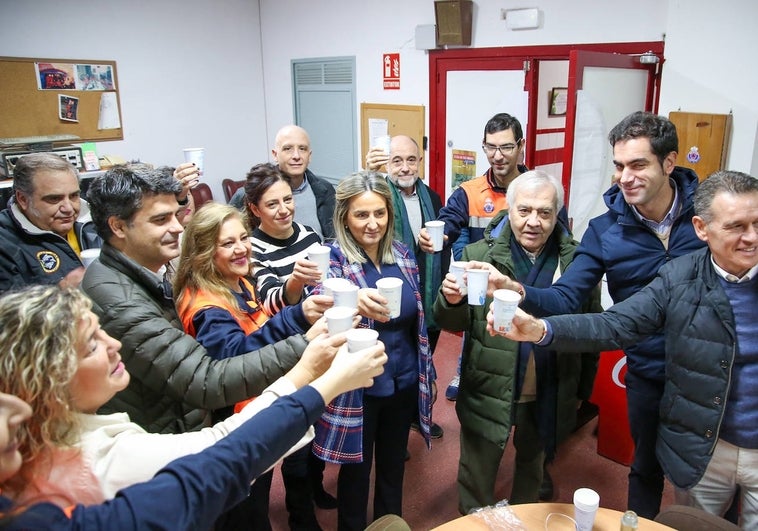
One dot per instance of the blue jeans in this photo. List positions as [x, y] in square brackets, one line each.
[643, 397]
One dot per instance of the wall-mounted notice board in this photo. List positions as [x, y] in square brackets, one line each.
[392, 120]
[54, 97]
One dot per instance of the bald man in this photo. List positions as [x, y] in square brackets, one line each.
[314, 197]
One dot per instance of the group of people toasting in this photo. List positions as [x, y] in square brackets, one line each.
[159, 387]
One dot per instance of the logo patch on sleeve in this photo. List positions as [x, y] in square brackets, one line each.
[49, 261]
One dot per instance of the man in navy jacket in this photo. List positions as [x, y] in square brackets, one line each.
[46, 225]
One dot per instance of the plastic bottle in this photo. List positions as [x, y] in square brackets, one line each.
[629, 521]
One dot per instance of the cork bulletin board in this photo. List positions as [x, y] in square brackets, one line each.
[49, 97]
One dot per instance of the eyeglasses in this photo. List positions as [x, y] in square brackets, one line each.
[505, 149]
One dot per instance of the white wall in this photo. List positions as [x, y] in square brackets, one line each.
[217, 74]
[293, 29]
[188, 72]
[710, 68]
[708, 49]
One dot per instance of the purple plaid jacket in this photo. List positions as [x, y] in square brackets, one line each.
[339, 431]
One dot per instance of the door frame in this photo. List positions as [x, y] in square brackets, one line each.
[501, 58]
[578, 61]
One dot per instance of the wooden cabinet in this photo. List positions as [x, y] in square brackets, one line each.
[703, 141]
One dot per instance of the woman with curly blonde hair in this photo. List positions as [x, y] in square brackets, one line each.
[56, 358]
[37, 367]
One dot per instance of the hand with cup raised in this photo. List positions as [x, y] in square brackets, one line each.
[304, 273]
[316, 358]
[372, 305]
[189, 175]
[314, 307]
[376, 158]
[425, 241]
[524, 327]
[497, 280]
[317, 328]
[451, 290]
[351, 370]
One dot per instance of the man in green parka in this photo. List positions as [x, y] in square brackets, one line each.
[505, 383]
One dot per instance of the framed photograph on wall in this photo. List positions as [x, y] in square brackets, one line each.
[557, 103]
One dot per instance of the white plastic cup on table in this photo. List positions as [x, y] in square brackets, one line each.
[88, 256]
[384, 143]
[586, 502]
[477, 286]
[345, 295]
[339, 319]
[391, 288]
[320, 255]
[505, 302]
[458, 268]
[196, 156]
[360, 338]
[436, 231]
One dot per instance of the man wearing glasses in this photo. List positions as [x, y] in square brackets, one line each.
[476, 202]
[414, 204]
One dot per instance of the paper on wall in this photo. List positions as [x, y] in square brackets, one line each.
[109, 118]
[377, 127]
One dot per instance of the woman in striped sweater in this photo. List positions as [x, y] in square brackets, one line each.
[282, 272]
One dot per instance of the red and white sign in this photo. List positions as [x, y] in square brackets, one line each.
[391, 69]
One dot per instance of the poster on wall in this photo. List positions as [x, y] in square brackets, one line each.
[67, 76]
[94, 77]
[391, 71]
[463, 167]
[55, 76]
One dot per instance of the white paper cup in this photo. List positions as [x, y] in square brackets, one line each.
[477, 286]
[586, 502]
[457, 269]
[196, 155]
[384, 143]
[320, 255]
[391, 288]
[436, 231]
[331, 283]
[345, 295]
[88, 256]
[339, 319]
[360, 338]
[504, 308]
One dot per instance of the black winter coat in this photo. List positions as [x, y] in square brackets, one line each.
[685, 301]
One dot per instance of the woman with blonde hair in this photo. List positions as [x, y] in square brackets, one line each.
[56, 358]
[372, 425]
[221, 309]
[216, 302]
